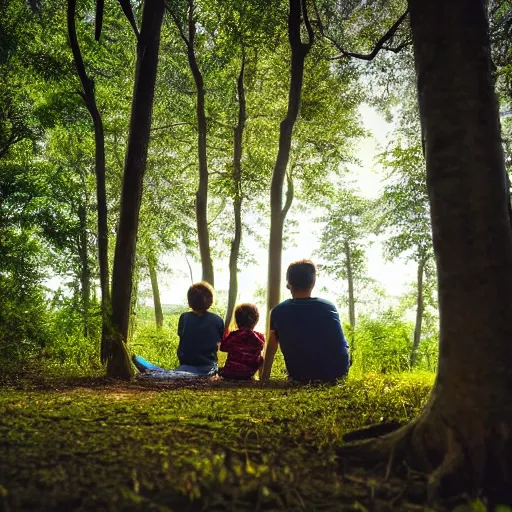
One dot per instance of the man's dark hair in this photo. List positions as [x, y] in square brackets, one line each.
[200, 296]
[301, 274]
[246, 315]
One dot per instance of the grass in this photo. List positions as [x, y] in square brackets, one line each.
[93, 444]
[72, 440]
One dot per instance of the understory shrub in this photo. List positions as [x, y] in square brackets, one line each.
[384, 344]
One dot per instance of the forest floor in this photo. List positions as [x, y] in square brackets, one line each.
[88, 443]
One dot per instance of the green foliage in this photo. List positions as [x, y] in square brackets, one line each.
[344, 238]
[404, 202]
[48, 207]
[156, 345]
[383, 344]
[69, 348]
[24, 321]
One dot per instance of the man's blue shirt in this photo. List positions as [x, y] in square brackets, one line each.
[199, 336]
[311, 339]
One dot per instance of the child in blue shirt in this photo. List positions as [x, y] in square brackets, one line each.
[200, 331]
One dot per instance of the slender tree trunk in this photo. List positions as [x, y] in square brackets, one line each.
[299, 51]
[132, 324]
[237, 201]
[89, 98]
[202, 189]
[419, 313]
[463, 438]
[202, 192]
[159, 316]
[119, 364]
[350, 282]
[85, 272]
[189, 269]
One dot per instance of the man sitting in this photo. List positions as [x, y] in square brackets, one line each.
[308, 330]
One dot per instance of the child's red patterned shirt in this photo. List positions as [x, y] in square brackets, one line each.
[244, 353]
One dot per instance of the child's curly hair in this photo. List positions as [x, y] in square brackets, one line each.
[246, 316]
[200, 296]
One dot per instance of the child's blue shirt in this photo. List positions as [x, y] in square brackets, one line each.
[199, 336]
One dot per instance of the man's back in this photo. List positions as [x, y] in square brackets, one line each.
[311, 339]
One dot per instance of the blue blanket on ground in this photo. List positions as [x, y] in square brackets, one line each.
[150, 371]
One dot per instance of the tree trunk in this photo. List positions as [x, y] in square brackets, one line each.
[463, 437]
[237, 200]
[202, 189]
[159, 316]
[299, 50]
[99, 169]
[85, 273]
[350, 282]
[419, 313]
[191, 274]
[132, 324]
[119, 365]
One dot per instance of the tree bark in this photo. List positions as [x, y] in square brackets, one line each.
[85, 272]
[119, 365]
[132, 324]
[299, 51]
[419, 313]
[237, 200]
[463, 438]
[89, 98]
[350, 282]
[159, 316]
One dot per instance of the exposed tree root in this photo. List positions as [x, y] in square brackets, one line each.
[449, 459]
[372, 431]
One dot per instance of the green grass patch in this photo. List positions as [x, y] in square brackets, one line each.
[91, 444]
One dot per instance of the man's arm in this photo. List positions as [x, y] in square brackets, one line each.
[270, 352]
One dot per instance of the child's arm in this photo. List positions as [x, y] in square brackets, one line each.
[225, 342]
[270, 352]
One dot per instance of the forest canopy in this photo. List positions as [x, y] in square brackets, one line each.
[148, 145]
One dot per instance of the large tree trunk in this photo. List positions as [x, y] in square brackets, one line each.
[464, 435]
[99, 169]
[159, 316]
[85, 272]
[237, 200]
[299, 50]
[119, 365]
[419, 313]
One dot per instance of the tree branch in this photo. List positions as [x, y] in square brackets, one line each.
[307, 23]
[380, 45]
[178, 25]
[172, 125]
[126, 6]
[98, 22]
[220, 210]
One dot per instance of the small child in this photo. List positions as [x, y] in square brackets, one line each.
[243, 346]
[200, 332]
